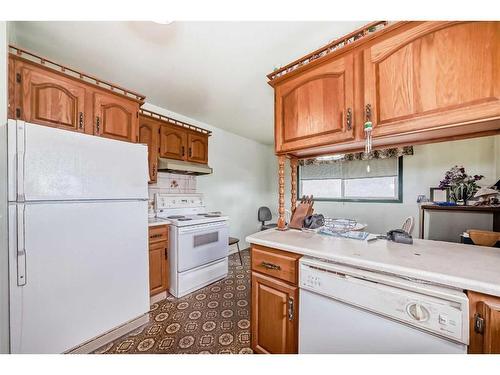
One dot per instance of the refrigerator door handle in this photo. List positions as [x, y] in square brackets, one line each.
[21, 250]
[20, 161]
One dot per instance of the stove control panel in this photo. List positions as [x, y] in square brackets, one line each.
[169, 201]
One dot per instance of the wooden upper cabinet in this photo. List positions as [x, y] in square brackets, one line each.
[316, 107]
[432, 75]
[274, 315]
[197, 148]
[44, 92]
[115, 117]
[48, 99]
[484, 323]
[173, 142]
[149, 134]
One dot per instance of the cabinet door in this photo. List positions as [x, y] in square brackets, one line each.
[158, 267]
[49, 99]
[115, 117]
[316, 107]
[274, 315]
[198, 148]
[148, 134]
[484, 323]
[173, 142]
[433, 74]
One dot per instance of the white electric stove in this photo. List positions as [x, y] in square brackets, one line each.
[198, 242]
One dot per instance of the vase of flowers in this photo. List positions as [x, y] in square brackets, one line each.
[462, 186]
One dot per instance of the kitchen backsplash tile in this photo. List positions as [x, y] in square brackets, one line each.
[172, 184]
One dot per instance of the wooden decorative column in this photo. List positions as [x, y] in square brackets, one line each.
[293, 166]
[281, 192]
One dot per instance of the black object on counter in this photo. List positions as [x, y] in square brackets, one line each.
[314, 221]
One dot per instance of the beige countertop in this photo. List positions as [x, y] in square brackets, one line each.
[467, 267]
[153, 221]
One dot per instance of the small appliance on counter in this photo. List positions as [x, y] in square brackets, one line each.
[199, 242]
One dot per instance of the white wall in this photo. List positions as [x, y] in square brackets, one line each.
[241, 180]
[421, 171]
[4, 280]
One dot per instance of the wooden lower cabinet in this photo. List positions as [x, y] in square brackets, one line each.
[158, 259]
[274, 315]
[484, 322]
[275, 302]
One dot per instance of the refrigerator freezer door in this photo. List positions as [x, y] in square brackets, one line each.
[86, 272]
[47, 164]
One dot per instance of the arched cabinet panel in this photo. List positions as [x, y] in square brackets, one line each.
[51, 101]
[173, 142]
[316, 107]
[115, 118]
[434, 74]
[198, 148]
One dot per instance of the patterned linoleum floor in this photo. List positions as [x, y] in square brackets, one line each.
[215, 319]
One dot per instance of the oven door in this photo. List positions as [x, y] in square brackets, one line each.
[201, 244]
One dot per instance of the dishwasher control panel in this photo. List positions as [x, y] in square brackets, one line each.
[443, 314]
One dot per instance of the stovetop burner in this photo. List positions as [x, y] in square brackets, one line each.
[184, 219]
[175, 217]
[212, 215]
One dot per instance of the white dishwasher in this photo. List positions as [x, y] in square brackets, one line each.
[349, 310]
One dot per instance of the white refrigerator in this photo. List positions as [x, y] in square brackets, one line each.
[78, 256]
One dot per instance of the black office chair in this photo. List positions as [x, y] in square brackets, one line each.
[264, 214]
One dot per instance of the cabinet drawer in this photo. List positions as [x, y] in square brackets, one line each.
[275, 263]
[158, 233]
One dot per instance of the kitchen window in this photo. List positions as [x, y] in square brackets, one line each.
[375, 180]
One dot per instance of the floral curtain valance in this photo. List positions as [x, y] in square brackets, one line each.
[375, 154]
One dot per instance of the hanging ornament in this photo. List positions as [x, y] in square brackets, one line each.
[368, 129]
[368, 133]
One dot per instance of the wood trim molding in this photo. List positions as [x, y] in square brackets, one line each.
[172, 121]
[336, 45]
[281, 192]
[25, 55]
[293, 166]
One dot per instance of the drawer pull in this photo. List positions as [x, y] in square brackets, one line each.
[80, 121]
[270, 266]
[290, 308]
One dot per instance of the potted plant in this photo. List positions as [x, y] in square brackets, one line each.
[462, 186]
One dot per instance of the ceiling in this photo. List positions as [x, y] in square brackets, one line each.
[214, 72]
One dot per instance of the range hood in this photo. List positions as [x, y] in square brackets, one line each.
[182, 167]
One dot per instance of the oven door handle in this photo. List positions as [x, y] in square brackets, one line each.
[201, 228]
